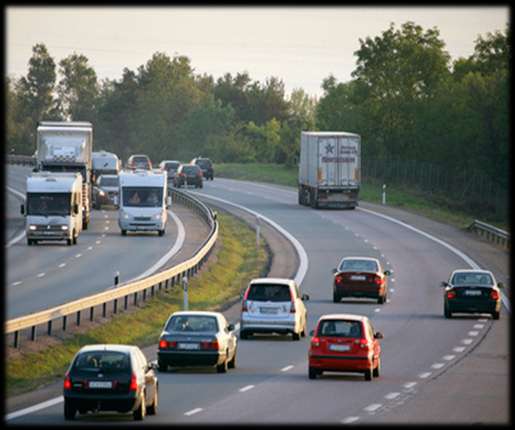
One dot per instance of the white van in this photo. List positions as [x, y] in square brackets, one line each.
[53, 207]
[143, 201]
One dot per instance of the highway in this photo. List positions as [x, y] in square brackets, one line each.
[433, 370]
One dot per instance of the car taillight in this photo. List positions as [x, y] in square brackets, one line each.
[244, 307]
[451, 294]
[494, 295]
[292, 308]
[378, 280]
[315, 341]
[338, 279]
[67, 382]
[134, 383]
[209, 344]
[363, 343]
[163, 344]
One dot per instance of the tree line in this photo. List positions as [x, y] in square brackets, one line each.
[406, 98]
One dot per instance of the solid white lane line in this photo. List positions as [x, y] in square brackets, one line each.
[391, 396]
[193, 411]
[437, 365]
[285, 369]
[467, 341]
[409, 384]
[479, 325]
[458, 349]
[373, 407]
[349, 420]
[246, 388]
[473, 333]
[40, 275]
[425, 375]
[62, 265]
[448, 357]
[303, 257]
[16, 283]
[35, 408]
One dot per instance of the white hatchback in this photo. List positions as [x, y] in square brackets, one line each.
[273, 305]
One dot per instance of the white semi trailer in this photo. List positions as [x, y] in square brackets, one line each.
[66, 146]
[330, 169]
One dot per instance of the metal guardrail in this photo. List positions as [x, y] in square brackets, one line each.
[491, 233]
[164, 279]
[26, 160]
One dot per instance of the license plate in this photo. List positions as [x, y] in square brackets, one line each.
[472, 292]
[268, 310]
[188, 346]
[100, 384]
[358, 277]
[334, 347]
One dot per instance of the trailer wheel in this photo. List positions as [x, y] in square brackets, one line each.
[313, 198]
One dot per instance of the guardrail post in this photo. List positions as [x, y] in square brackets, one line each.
[64, 323]
[91, 313]
[185, 294]
[135, 298]
[126, 302]
[33, 333]
[49, 328]
[152, 290]
[104, 309]
[78, 318]
[16, 339]
[144, 294]
[115, 306]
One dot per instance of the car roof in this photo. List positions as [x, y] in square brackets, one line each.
[351, 317]
[111, 175]
[285, 281]
[198, 313]
[108, 347]
[478, 271]
[361, 258]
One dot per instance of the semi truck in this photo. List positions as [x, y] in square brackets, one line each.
[66, 146]
[143, 201]
[53, 208]
[329, 169]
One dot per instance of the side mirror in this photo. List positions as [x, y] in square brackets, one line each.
[230, 327]
[22, 209]
[305, 297]
[387, 272]
[312, 333]
[500, 285]
[378, 335]
[444, 284]
[334, 271]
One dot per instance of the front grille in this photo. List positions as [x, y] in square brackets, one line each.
[142, 218]
[48, 228]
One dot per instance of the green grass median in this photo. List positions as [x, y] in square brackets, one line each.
[229, 270]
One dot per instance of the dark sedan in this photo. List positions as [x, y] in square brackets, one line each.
[110, 378]
[188, 174]
[360, 277]
[197, 338]
[472, 291]
[206, 166]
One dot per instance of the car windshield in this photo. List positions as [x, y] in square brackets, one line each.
[142, 196]
[105, 361]
[204, 164]
[472, 279]
[192, 323]
[340, 328]
[108, 182]
[358, 266]
[269, 292]
[45, 204]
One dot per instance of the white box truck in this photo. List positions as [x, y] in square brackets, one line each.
[66, 146]
[143, 201]
[329, 169]
[53, 208]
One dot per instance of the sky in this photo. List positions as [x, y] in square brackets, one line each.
[299, 45]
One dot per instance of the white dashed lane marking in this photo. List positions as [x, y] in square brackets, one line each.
[473, 333]
[16, 283]
[98, 242]
[377, 310]
[409, 384]
[425, 375]
[349, 420]
[62, 265]
[90, 248]
[448, 357]
[193, 411]
[437, 365]
[78, 255]
[479, 326]
[391, 396]
[248, 387]
[40, 275]
[459, 349]
[467, 341]
[373, 407]
[285, 369]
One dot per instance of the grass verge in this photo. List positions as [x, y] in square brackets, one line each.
[396, 196]
[237, 261]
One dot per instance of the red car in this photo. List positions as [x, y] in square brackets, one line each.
[345, 343]
[360, 277]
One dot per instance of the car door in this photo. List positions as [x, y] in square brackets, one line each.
[228, 337]
[149, 376]
[376, 348]
[300, 309]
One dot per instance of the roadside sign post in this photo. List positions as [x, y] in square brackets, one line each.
[116, 278]
[384, 194]
[258, 231]
[185, 290]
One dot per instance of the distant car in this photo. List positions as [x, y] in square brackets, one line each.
[273, 305]
[472, 291]
[197, 338]
[110, 378]
[360, 277]
[139, 161]
[106, 191]
[171, 167]
[188, 174]
[206, 166]
[344, 343]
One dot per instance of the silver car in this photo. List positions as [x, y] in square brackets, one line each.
[273, 305]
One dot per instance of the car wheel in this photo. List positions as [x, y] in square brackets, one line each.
[139, 414]
[447, 313]
[161, 366]
[69, 242]
[336, 298]
[377, 370]
[222, 368]
[124, 232]
[152, 409]
[161, 232]
[232, 363]
[496, 315]
[381, 299]
[295, 336]
[74, 238]
[303, 332]
[29, 242]
[313, 373]
[368, 374]
[244, 334]
[69, 410]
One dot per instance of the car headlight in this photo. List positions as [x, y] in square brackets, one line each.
[157, 216]
[125, 216]
[32, 227]
[102, 193]
[64, 227]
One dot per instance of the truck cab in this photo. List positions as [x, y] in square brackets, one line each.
[143, 201]
[53, 208]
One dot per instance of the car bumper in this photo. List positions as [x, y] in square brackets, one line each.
[104, 402]
[189, 358]
[370, 292]
[52, 235]
[268, 325]
[340, 363]
[474, 307]
[141, 225]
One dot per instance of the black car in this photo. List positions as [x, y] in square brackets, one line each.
[205, 165]
[106, 191]
[110, 378]
[472, 291]
[188, 174]
[197, 338]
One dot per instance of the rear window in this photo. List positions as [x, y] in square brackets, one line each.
[269, 292]
[472, 279]
[105, 361]
[172, 166]
[192, 324]
[358, 266]
[204, 164]
[190, 169]
[340, 328]
[108, 182]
